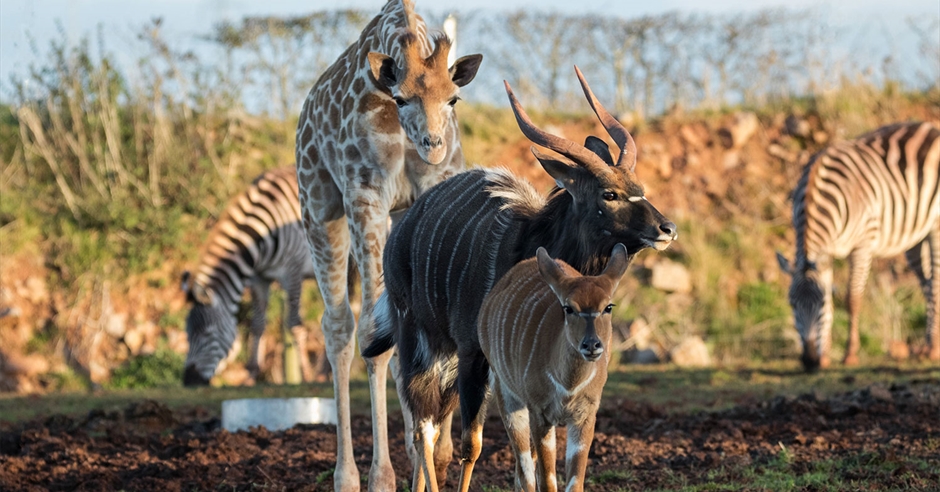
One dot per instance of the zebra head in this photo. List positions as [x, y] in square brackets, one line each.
[424, 89]
[608, 198]
[811, 301]
[210, 330]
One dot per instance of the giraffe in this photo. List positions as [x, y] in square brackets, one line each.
[377, 129]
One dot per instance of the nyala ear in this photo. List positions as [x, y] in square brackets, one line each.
[383, 70]
[465, 69]
[600, 148]
[550, 271]
[617, 265]
[563, 172]
[203, 295]
[784, 264]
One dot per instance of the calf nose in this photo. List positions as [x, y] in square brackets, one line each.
[668, 228]
[591, 348]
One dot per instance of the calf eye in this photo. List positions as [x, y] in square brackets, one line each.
[610, 196]
[400, 102]
[568, 309]
[609, 308]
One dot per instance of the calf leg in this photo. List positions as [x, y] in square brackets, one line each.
[580, 437]
[515, 418]
[543, 438]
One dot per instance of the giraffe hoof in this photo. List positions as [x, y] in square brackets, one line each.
[382, 479]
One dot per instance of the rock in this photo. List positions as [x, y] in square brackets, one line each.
[691, 352]
[798, 126]
[739, 131]
[899, 350]
[881, 393]
[26, 365]
[670, 276]
[645, 356]
[236, 375]
[134, 340]
[116, 325]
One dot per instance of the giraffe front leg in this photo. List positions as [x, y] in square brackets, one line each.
[580, 437]
[859, 265]
[368, 224]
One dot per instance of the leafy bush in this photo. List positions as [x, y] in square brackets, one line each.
[161, 368]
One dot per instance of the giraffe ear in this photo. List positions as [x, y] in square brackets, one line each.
[383, 70]
[465, 69]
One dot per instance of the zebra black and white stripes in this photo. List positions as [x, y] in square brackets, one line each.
[875, 196]
[258, 239]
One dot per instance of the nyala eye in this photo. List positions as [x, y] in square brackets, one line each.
[568, 309]
[454, 101]
[400, 102]
[609, 308]
[610, 196]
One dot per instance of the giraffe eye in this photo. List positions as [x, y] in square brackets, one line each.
[453, 101]
[400, 102]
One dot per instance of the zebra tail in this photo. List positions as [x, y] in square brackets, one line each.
[386, 321]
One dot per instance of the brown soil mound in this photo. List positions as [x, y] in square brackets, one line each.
[894, 432]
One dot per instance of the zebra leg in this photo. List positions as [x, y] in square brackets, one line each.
[859, 266]
[924, 260]
[260, 293]
[368, 223]
[293, 284]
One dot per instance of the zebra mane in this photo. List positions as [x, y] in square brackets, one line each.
[518, 194]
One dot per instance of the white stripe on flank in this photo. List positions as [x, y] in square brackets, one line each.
[565, 392]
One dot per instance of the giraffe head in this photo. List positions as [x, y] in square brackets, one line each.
[425, 90]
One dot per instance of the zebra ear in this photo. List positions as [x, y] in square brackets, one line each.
[784, 264]
[184, 281]
[203, 295]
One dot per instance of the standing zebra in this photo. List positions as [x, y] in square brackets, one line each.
[461, 236]
[875, 196]
[258, 239]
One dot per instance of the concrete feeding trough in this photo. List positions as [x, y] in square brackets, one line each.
[276, 413]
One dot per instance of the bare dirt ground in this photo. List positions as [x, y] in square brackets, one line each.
[874, 438]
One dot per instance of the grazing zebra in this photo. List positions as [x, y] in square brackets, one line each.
[875, 196]
[258, 239]
[461, 236]
[543, 329]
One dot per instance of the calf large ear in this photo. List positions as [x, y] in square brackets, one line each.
[550, 271]
[617, 265]
[383, 70]
[465, 69]
[784, 264]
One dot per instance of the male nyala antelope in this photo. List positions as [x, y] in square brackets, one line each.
[544, 329]
[461, 236]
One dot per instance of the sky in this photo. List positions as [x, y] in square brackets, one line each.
[22, 19]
